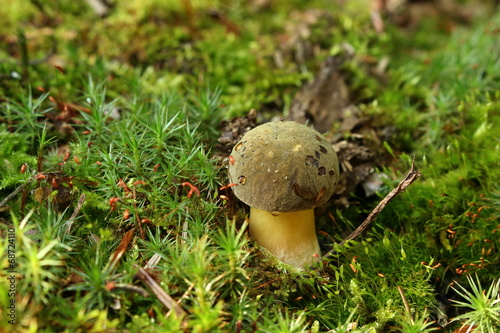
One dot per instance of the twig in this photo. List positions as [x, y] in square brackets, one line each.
[121, 249]
[184, 233]
[407, 306]
[75, 212]
[16, 191]
[161, 294]
[186, 293]
[100, 8]
[132, 288]
[412, 175]
[153, 261]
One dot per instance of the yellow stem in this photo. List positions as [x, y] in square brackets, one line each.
[290, 237]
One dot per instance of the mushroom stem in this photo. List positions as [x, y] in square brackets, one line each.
[290, 237]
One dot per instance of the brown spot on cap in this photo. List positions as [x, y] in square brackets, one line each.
[321, 194]
[311, 161]
[302, 192]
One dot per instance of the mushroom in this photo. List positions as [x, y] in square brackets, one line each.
[283, 170]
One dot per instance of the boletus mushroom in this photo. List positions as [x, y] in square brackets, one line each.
[283, 170]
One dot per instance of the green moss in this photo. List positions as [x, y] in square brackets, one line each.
[175, 74]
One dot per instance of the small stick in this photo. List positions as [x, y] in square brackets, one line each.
[16, 191]
[121, 249]
[412, 175]
[129, 287]
[153, 261]
[184, 233]
[75, 212]
[161, 294]
[407, 306]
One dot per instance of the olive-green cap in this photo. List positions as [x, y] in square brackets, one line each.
[283, 166]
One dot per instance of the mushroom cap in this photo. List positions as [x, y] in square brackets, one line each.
[283, 166]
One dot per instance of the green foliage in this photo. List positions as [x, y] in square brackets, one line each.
[117, 144]
[285, 322]
[484, 305]
[420, 324]
[13, 154]
[367, 277]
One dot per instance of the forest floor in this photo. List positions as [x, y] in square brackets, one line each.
[116, 118]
